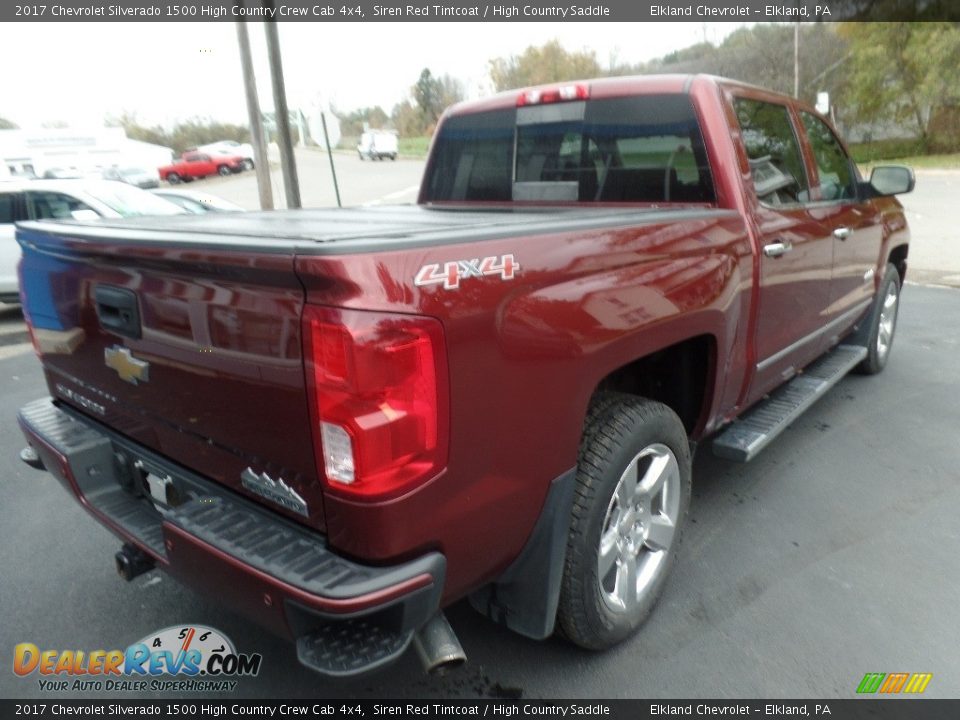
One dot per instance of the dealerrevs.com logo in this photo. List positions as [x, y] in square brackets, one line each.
[191, 658]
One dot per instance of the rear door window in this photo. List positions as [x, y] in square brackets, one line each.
[774, 154]
[837, 180]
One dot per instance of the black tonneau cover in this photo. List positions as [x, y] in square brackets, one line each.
[365, 229]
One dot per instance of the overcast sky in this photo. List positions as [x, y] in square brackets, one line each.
[79, 72]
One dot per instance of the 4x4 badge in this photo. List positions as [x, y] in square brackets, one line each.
[129, 368]
[451, 273]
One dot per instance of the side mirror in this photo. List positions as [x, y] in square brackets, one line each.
[892, 179]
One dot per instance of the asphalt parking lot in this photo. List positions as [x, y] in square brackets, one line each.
[361, 182]
[833, 554]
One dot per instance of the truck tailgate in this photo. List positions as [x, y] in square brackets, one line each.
[193, 352]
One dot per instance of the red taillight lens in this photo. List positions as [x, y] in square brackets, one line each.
[378, 399]
[562, 93]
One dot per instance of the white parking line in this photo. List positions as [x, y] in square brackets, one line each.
[10, 351]
[411, 191]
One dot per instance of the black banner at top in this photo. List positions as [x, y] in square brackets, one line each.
[480, 11]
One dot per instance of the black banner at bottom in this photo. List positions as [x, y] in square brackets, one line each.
[860, 709]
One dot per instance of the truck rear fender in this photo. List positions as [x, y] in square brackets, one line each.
[681, 376]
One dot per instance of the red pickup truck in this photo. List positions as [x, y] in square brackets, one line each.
[193, 165]
[341, 421]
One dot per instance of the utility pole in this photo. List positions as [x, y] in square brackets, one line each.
[291, 185]
[796, 60]
[260, 159]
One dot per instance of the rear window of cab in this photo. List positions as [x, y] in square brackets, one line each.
[642, 149]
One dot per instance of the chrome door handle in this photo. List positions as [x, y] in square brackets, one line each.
[777, 249]
[841, 233]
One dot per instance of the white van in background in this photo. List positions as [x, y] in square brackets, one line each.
[377, 145]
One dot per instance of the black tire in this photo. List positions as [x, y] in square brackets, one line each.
[618, 431]
[247, 165]
[393, 157]
[173, 178]
[878, 320]
[223, 170]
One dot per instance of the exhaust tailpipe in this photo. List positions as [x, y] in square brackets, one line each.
[438, 647]
[132, 562]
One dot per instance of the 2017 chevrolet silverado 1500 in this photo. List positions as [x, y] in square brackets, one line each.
[341, 421]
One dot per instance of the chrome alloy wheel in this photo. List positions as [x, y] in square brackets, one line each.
[888, 321]
[639, 528]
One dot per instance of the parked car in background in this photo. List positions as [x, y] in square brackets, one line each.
[62, 174]
[193, 165]
[136, 176]
[64, 200]
[231, 147]
[377, 145]
[195, 202]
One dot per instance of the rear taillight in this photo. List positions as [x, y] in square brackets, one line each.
[378, 399]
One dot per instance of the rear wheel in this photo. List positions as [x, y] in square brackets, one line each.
[882, 324]
[632, 494]
[173, 178]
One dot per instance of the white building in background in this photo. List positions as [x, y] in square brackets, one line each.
[35, 152]
[314, 112]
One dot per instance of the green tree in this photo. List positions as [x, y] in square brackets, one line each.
[351, 124]
[433, 95]
[904, 72]
[135, 130]
[407, 119]
[183, 135]
[763, 55]
[545, 64]
[7, 124]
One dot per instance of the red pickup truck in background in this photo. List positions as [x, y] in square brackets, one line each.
[341, 421]
[193, 165]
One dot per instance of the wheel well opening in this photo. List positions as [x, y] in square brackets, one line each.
[677, 376]
[898, 257]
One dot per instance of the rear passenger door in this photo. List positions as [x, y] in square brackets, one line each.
[854, 226]
[796, 254]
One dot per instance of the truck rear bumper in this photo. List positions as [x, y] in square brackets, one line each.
[278, 573]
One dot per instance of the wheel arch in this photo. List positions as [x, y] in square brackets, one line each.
[681, 375]
[526, 595]
[897, 256]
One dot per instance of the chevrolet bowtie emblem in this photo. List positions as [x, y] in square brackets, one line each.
[127, 366]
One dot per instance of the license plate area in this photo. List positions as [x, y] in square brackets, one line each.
[157, 486]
